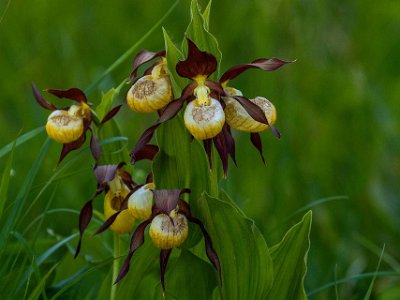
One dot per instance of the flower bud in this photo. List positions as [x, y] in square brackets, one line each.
[112, 203]
[204, 121]
[238, 118]
[167, 234]
[64, 127]
[141, 202]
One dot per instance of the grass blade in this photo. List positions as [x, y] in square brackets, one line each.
[5, 179]
[22, 139]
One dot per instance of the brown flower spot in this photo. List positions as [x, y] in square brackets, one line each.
[144, 88]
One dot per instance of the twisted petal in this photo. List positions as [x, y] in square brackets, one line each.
[111, 114]
[167, 200]
[142, 57]
[39, 99]
[136, 241]
[256, 141]
[164, 256]
[67, 148]
[73, 94]
[106, 173]
[197, 63]
[94, 145]
[265, 64]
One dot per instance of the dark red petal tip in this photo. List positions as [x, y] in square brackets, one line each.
[197, 63]
[107, 223]
[95, 146]
[256, 141]
[164, 256]
[39, 99]
[143, 57]
[73, 94]
[84, 219]
[111, 114]
[67, 148]
[265, 64]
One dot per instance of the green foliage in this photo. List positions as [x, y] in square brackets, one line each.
[338, 115]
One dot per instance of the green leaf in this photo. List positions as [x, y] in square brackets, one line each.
[107, 101]
[41, 285]
[194, 274]
[173, 56]
[246, 265]
[22, 139]
[206, 16]
[371, 285]
[5, 180]
[198, 31]
[290, 261]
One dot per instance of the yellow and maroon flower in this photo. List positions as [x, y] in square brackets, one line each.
[117, 186]
[69, 125]
[153, 91]
[214, 107]
[168, 229]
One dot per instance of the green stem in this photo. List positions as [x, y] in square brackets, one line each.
[116, 266]
[214, 189]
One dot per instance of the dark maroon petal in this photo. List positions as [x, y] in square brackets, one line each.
[105, 173]
[256, 141]
[146, 136]
[136, 241]
[94, 146]
[67, 148]
[207, 147]
[215, 86]
[111, 114]
[107, 223]
[127, 179]
[252, 109]
[164, 256]
[171, 110]
[39, 99]
[142, 57]
[147, 152]
[211, 253]
[222, 149]
[184, 208]
[84, 219]
[149, 178]
[166, 200]
[73, 94]
[197, 63]
[265, 64]
[275, 131]
[230, 142]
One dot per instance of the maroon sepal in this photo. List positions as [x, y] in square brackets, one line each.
[265, 64]
[73, 94]
[84, 219]
[108, 223]
[207, 147]
[256, 141]
[222, 149]
[252, 109]
[164, 256]
[143, 57]
[146, 152]
[211, 253]
[127, 179]
[94, 145]
[67, 148]
[111, 114]
[216, 87]
[39, 99]
[197, 63]
[229, 142]
[136, 241]
[166, 200]
[106, 173]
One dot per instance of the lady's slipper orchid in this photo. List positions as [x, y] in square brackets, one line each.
[152, 91]
[168, 229]
[204, 115]
[69, 125]
[118, 186]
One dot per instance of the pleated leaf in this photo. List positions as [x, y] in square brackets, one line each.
[290, 261]
[245, 261]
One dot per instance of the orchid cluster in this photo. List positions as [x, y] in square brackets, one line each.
[211, 109]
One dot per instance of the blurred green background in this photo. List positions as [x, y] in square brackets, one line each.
[337, 114]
